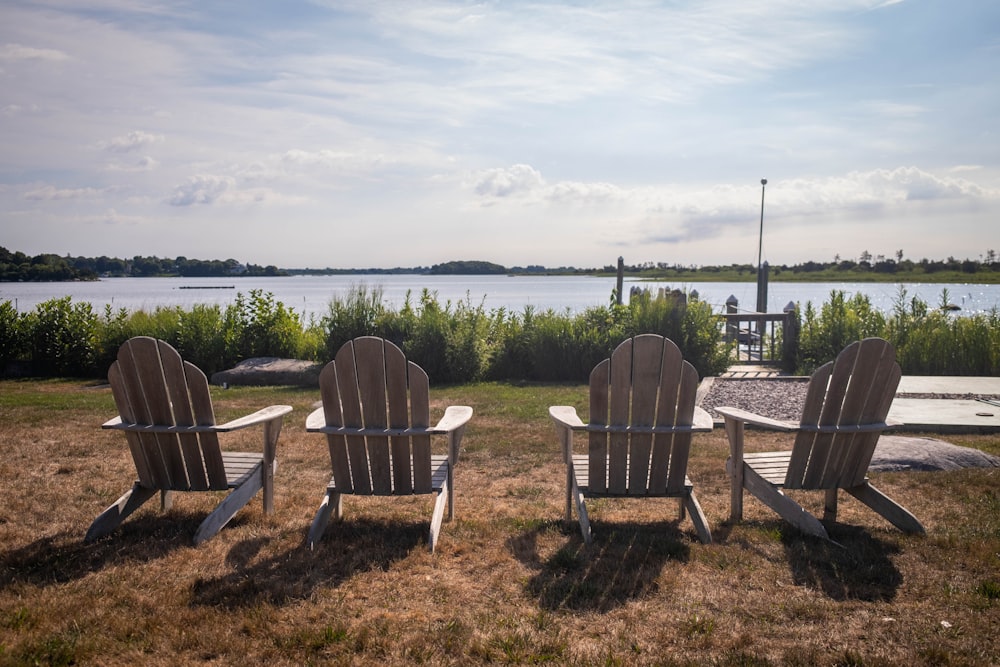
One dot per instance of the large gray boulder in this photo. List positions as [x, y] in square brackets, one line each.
[896, 452]
[263, 371]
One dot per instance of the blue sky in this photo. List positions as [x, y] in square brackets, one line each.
[378, 134]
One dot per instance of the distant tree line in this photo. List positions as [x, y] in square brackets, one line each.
[17, 266]
[845, 268]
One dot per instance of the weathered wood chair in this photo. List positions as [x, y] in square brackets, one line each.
[845, 412]
[642, 418]
[165, 411]
[376, 416]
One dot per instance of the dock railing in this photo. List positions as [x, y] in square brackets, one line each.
[763, 338]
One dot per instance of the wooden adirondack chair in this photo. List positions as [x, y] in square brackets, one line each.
[165, 411]
[642, 417]
[376, 416]
[844, 414]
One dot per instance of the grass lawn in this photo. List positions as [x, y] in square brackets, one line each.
[511, 582]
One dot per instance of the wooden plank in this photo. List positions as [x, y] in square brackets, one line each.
[369, 359]
[133, 403]
[419, 387]
[647, 356]
[156, 397]
[681, 450]
[143, 468]
[204, 415]
[619, 400]
[397, 402]
[350, 403]
[597, 443]
[329, 387]
[811, 413]
[176, 384]
[885, 506]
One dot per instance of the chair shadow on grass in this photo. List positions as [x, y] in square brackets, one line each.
[858, 567]
[64, 557]
[625, 562]
[347, 549]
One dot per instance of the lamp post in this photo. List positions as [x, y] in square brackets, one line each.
[760, 244]
[761, 278]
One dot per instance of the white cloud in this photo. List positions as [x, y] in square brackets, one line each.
[201, 189]
[519, 179]
[145, 163]
[52, 193]
[133, 141]
[19, 52]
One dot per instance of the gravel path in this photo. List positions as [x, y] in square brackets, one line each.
[779, 398]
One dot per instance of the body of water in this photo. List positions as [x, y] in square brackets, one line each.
[311, 295]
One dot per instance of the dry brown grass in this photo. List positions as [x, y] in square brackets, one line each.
[511, 583]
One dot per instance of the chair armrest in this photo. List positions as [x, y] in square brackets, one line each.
[263, 415]
[115, 423]
[747, 417]
[565, 417]
[702, 420]
[316, 420]
[455, 416]
[566, 421]
[453, 424]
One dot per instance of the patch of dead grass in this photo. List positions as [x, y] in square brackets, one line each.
[511, 582]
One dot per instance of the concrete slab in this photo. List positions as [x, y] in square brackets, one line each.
[951, 384]
[942, 415]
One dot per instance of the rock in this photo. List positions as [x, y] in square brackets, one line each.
[270, 371]
[896, 452]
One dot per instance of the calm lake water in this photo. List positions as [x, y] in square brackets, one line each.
[311, 295]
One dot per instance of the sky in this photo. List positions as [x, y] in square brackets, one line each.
[371, 133]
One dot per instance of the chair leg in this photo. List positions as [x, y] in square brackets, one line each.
[697, 518]
[787, 508]
[569, 492]
[734, 465]
[830, 505]
[436, 518]
[230, 505]
[332, 502]
[113, 516]
[451, 492]
[888, 508]
[581, 510]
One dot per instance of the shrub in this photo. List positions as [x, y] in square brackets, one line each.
[62, 337]
[359, 313]
[259, 326]
[11, 334]
[201, 338]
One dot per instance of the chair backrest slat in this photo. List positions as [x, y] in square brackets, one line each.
[646, 383]
[152, 385]
[620, 404]
[369, 359]
[420, 417]
[646, 369]
[370, 384]
[856, 389]
[683, 415]
[350, 400]
[600, 379]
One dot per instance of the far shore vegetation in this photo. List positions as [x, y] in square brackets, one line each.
[19, 267]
